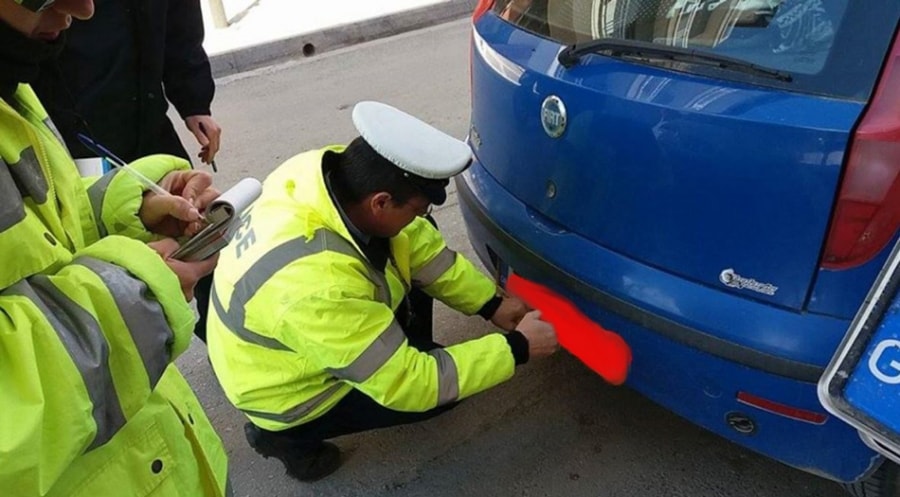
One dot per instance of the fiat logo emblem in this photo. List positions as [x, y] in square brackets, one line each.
[553, 116]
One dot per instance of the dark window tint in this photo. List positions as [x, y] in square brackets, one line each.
[832, 47]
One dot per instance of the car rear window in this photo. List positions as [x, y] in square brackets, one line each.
[833, 47]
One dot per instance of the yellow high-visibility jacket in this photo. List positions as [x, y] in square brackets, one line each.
[300, 317]
[90, 320]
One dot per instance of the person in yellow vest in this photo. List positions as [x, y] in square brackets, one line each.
[92, 312]
[312, 335]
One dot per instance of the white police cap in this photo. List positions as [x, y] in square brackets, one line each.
[410, 144]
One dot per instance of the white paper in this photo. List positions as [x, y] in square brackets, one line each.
[223, 215]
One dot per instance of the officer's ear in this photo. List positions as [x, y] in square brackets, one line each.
[380, 202]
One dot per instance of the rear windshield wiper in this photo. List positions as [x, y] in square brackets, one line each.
[570, 56]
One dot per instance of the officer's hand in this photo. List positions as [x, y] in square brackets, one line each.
[540, 334]
[178, 214]
[510, 312]
[188, 272]
[208, 133]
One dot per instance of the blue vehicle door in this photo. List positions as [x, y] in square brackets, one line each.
[862, 383]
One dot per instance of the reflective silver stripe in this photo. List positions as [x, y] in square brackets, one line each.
[433, 269]
[299, 411]
[53, 129]
[233, 319]
[272, 262]
[143, 315]
[80, 334]
[448, 376]
[96, 193]
[29, 176]
[12, 210]
[375, 355]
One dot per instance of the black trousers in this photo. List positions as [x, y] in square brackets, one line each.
[201, 292]
[357, 412]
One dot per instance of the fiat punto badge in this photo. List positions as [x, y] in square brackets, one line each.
[553, 116]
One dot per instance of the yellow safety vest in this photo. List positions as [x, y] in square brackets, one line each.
[90, 321]
[301, 317]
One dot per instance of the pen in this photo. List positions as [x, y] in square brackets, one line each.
[102, 151]
[213, 161]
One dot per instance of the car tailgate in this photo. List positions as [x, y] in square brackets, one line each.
[724, 183]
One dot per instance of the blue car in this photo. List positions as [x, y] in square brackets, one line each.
[716, 180]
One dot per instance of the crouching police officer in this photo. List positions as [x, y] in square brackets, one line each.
[312, 335]
[91, 315]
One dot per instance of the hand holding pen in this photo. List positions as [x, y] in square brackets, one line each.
[174, 207]
[181, 213]
[208, 133]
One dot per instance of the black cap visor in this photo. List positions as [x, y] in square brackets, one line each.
[435, 190]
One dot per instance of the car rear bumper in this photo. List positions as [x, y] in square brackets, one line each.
[676, 363]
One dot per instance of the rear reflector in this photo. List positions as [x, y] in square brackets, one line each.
[781, 409]
[867, 212]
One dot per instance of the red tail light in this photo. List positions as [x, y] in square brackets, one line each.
[868, 208]
[482, 7]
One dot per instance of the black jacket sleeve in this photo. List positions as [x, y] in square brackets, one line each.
[187, 75]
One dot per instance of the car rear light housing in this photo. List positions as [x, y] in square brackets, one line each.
[480, 9]
[867, 212]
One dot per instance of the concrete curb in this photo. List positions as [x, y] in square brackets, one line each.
[316, 42]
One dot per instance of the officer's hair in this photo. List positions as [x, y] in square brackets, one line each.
[360, 171]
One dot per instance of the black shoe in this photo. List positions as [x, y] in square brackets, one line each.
[308, 464]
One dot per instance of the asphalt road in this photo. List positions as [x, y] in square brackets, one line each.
[555, 429]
